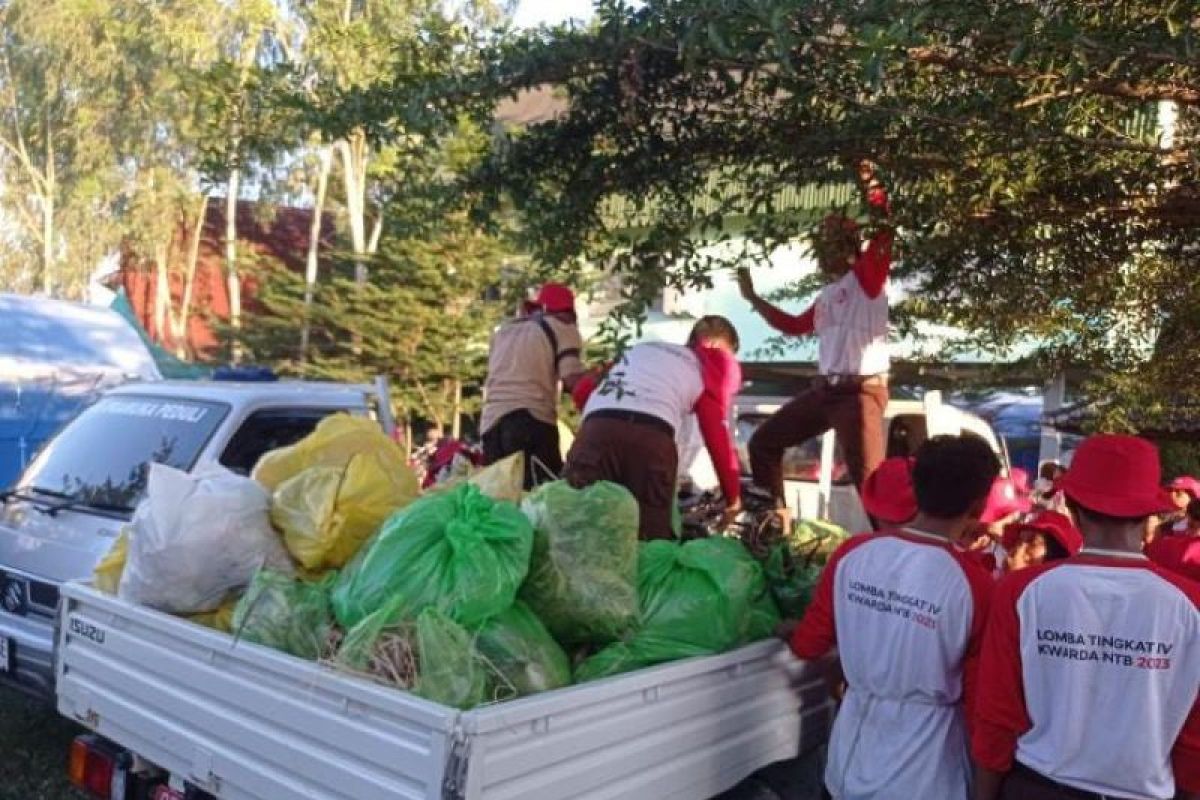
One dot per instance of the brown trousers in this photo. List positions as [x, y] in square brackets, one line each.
[640, 457]
[854, 411]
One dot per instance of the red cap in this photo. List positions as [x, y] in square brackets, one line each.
[1185, 483]
[552, 298]
[1057, 526]
[887, 493]
[1116, 475]
[1004, 499]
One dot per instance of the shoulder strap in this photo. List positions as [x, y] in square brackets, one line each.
[546, 329]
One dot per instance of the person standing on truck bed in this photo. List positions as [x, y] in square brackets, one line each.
[1090, 673]
[630, 421]
[850, 320]
[529, 358]
[905, 609]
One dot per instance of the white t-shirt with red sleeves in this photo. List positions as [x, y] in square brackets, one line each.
[906, 612]
[1090, 675]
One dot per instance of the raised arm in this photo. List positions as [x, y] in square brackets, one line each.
[794, 325]
[875, 263]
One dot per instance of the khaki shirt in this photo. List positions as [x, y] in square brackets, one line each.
[524, 370]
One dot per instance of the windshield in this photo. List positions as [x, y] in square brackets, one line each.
[102, 456]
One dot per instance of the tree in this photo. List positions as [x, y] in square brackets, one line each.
[66, 88]
[1042, 155]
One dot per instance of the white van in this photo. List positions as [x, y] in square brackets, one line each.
[816, 482]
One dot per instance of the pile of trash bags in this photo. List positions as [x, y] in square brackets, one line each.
[473, 592]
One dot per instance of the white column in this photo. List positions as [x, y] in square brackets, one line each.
[1053, 397]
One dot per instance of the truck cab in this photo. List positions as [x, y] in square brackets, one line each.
[64, 512]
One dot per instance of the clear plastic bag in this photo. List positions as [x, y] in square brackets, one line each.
[196, 539]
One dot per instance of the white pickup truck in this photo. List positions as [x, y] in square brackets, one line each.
[66, 509]
[233, 720]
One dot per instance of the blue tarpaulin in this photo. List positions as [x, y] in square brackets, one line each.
[55, 358]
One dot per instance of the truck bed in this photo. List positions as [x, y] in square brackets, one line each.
[244, 721]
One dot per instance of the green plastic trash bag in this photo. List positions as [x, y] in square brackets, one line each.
[763, 617]
[450, 670]
[284, 613]
[792, 581]
[696, 598]
[456, 550]
[432, 655]
[583, 575]
[813, 541]
[524, 654]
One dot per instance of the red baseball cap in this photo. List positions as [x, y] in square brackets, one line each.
[1057, 526]
[1116, 475]
[887, 493]
[1004, 499]
[552, 298]
[1185, 483]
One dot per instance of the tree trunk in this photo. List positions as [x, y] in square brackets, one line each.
[162, 292]
[355, 153]
[314, 246]
[233, 280]
[47, 244]
[376, 234]
[456, 424]
[179, 324]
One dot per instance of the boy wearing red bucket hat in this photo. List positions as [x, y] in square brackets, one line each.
[1091, 665]
[905, 609]
[887, 494]
[1047, 536]
[529, 358]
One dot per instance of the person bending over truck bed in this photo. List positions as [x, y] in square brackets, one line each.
[529, 357]
[630, 420]
[850, 320]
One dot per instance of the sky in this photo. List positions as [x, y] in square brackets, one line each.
[552, 12]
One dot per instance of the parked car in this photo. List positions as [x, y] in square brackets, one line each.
[66, 509]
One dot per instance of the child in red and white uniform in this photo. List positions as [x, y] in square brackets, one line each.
[887, 493]
[631, 418]
[905, 609]
[1046, 536]
[850, 320]
[1091, 665]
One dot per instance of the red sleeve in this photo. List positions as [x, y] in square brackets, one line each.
[1000, 715]
[982, 586]
[783, 322]
[1185, 755]
[722, 377]
[873, 266]
[1180, 554]
[584, 387]
[816, 634]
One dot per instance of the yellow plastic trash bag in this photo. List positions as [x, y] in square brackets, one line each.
[220, 619]
[504, 480]
[336, 439]
[107, 574]
[326, 512]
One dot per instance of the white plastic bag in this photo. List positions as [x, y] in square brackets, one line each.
[196, 538]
